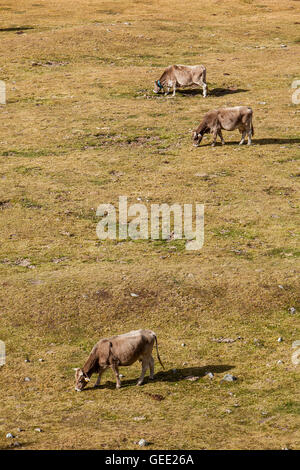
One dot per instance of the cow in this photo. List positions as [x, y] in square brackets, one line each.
[121, 350]
[229, 119]
[181, 76]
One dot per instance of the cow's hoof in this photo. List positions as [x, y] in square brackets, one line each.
[223, 143]
[139, 383]
[118, 386]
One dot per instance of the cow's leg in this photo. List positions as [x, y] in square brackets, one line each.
[249, 136]
[221, 136]
[174, 89]
[151, 367]
[243, 137]
[204, 88]
[145, 365]
[99, 378]
[215, 133]
[116, 371]
[168, 91]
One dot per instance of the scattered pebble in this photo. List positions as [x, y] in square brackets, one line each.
[210, 375]
[27, 379]
[229, 378]
[280, 339]
[279, 362]
[228, 411]
[292, 310]
[192, 378]
[38, 430]
[143, 443]
[139, 418]
[283, 45]
[9, 435]
[183, 345]
[41, 360]
[133, 294]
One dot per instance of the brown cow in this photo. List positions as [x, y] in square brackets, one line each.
[239, 117]
[181, 76]
[121, 350]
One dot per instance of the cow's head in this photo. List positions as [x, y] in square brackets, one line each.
[198, 135]
[81, 379]
[157, 86]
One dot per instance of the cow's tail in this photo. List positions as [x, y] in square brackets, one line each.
[158, 357]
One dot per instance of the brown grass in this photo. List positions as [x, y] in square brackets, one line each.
[82, 127]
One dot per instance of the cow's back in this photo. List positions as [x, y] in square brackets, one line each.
[129, 347]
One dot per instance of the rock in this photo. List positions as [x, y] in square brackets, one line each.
[283, 45]
[133, 294]
[27, 379]
[280, 286]
[192, 378]
[121, 375]
[279, 362]
[280, 339]
[228, 411]
[38, 430]
[143, 443]
[210, 375]
[41, 360]
[225, 340]
[292, 310]
[20, 430]
[229, 378]
[9, 435]
[139, 418]
[183, 345]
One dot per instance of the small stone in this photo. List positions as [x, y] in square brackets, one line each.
[280, 286]
[38, 430]
[229, 378]
[183, 345]
[133, 294]
[41, 360]
[210, 375]
[121, 376]
[9, 435]
[228, 411]
[280, 339]
[283, 45]
[192, 378]
[139, 418]
[143, 443]
[292, 310]
[27, 379]
[184, 363]
[20, 429]
[279, 362]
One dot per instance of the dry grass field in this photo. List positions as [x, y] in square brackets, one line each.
[82, 126]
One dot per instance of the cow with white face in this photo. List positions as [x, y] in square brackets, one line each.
[121, 350]
[177, 76]
[238, 117]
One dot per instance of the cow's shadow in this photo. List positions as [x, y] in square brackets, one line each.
[267, 141]
[211, 92]
[171, 375]
[226, 91]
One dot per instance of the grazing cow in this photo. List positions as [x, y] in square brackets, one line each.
[181, 76]
[239, 117]
[121, 350]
